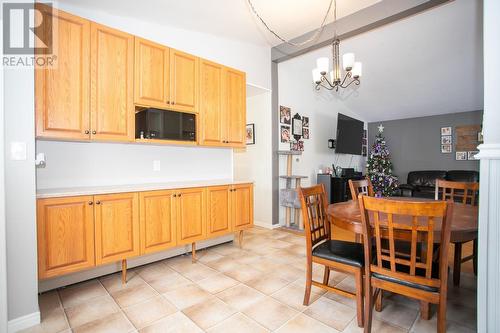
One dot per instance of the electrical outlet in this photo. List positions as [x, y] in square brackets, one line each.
[156, 165]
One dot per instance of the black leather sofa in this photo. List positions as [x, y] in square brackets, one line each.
[422, 184]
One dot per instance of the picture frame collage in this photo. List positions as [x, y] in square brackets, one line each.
[293, 130]
[447, 146]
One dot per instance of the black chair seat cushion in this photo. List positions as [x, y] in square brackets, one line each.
[406, 269]
[348, 253]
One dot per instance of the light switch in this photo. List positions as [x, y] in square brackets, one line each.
[18, 151]
[156, 165]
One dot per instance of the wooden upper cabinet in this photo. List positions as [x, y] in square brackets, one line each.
[62, 100]
[235, 108]
[116, 226]
[242, 206]
[65, 235]
[191, 215]
[211, 103]
[218, 210]
[152, 78]
[184, 75]
[157, 210]
[112, 67]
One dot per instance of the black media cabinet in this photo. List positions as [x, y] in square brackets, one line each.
[337, 188]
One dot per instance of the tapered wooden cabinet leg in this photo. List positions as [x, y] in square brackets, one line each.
[124, 271]
[193, 252]
[240, 238]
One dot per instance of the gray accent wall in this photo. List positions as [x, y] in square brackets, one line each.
[415, 143]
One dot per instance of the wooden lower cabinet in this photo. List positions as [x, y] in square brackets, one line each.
[116, 227]
[158, 214]
[191, 219]
[65, 235]
[76, 233]
[218, 210]
[242, 206]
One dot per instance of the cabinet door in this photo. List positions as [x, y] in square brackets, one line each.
[191, 222]
[211, 103]
[157, 221]
[242, 206]
[116, 226]
[151, 78]
[235, 94]
[218, 211]
[65, 228]
[184, 83]
[112, 68]
[62, 92]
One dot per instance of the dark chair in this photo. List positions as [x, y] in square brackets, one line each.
[333, 254]
[467, 194]
[414, 277]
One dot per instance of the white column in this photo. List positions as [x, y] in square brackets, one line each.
[488, 318]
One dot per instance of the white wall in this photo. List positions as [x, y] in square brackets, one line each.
[20, 189]
[94, 164]
[254, 162]
[296, 91]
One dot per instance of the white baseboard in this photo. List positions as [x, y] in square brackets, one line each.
[265, 225]
[21, 323]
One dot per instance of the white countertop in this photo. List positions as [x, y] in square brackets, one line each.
[92, 190]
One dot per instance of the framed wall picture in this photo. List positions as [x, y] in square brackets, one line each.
[461, 156]
[446, 140]
[305, 133]
[446, 130]
[297, 127]
[305, 121]
[471, 155]
[446, 148]
[250, 134]
[285, 133]
[363, 150]
[294, 145]
[285, 115]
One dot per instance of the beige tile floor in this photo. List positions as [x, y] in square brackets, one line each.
[259, 288]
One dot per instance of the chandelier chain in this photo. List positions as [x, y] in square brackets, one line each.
[313, 38]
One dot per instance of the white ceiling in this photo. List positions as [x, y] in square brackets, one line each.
[230, 18]
[427, 64]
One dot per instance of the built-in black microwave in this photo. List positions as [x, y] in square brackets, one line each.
[165, 125]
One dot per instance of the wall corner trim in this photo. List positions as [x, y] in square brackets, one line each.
[23, 322]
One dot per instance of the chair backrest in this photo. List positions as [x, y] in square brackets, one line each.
[412, 222]
[363, 186]
[457, 191]
[314, 212]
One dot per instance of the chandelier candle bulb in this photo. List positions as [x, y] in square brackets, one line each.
[348, 61]
[316, 75]
[356, 70]
[322, 64]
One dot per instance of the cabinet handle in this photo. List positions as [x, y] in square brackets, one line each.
[173, 103]
[175, 195]
[90, 203]
[94, 132]
[179, 195]
[97, 202]
[87, 132]
[168, 102]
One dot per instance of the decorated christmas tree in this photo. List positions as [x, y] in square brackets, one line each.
[379, 167]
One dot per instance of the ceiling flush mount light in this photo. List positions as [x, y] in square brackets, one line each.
[333, 80]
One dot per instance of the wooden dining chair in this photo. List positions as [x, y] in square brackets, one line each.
[335, 255]
[418, 278]
[363, 186]
[465, 193]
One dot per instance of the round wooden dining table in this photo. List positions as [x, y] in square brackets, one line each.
[346, 215]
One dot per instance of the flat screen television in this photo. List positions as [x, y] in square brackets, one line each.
[349, 135]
